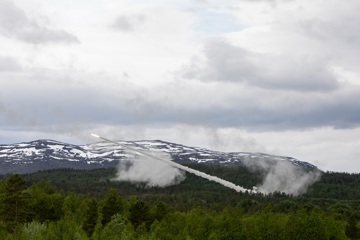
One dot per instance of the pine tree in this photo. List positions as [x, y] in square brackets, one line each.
[13, 198]
[351, 229]
[110, 205]
[139, 213]
[91, 216]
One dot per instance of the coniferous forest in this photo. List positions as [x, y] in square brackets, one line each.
[79, 204]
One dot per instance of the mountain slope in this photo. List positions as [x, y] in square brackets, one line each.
[49, 154]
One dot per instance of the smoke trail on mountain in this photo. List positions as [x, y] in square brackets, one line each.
[178, 166]
[283, 176]
[150, 171]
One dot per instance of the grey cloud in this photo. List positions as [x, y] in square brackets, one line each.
[128, 23]
[39, 35]
[8, 64]
[262, 120]
[268, 1]
[337, 24]
[34, 98]
[244, 108]
[289, 111]
[15, 23]
[11, 116]
[227, 63]
[222, 139]
[201, 1]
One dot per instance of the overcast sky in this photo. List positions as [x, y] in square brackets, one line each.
[273, 76]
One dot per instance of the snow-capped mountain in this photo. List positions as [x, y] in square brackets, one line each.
[48, 154]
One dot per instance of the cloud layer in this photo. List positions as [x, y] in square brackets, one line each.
[231, 76]
[227, 63]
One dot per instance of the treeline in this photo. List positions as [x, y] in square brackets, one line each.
[74, 204]
[332, 185]
[39, 211]
[335, 192]
[336, 185]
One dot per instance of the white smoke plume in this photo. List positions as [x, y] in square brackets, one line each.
[135, 174]
[159, 170]
[147, 170]
[283, 176]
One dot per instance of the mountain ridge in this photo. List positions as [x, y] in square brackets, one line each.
[45, 154]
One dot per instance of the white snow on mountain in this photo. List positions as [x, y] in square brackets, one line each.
[50, 154]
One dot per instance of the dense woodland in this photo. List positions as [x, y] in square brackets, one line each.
[79, 204]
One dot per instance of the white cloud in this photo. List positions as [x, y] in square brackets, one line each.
[15, 23]
[128, 23]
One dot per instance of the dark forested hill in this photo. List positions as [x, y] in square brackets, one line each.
[331, 185]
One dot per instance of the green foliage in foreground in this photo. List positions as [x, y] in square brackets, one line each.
[88, 205]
